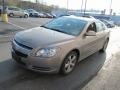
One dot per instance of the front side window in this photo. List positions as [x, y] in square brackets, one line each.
[15, 9]
[11, 8]
[71, 26]
[91, 27]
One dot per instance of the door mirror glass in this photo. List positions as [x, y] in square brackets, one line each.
[90, 33]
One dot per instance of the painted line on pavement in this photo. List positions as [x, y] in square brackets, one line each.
[16, 25]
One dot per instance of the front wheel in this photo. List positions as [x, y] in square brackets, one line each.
[11, 14]
[69, 63]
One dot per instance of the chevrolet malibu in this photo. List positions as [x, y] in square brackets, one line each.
[60, 44]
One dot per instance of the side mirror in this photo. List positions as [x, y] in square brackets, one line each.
[90, 33]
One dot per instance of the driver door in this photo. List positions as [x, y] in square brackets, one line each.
[89, 43]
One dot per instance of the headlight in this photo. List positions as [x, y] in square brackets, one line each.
[46, 52]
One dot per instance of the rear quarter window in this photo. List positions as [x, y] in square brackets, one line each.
[100, 26]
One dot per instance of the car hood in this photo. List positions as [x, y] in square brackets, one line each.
[40, 37]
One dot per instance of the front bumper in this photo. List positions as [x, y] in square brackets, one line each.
[45, 65]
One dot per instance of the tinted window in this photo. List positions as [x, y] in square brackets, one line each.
[92, 27]
[100, 26]
[10, 8]
[31, 10]
[104, 26]
[103, 17]
[15, 9]
[67, 25]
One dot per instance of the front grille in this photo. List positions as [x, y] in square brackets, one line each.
[24, 46]
[20, 54]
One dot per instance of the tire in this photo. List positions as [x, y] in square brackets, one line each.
[69, 63]
[25, 16]
[105, 46]
[11, 14]
[30, 15]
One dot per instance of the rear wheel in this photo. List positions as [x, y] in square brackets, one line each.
[11, 14]
[69, 62]
[25, 16]
[105, 46]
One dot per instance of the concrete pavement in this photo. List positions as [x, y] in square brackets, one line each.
[109, 76]
[12, 77]
[5, 51]
[7, 31]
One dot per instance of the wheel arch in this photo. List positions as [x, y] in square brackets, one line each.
[76, 50]
[11, 13]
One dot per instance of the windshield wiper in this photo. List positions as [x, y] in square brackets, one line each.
[44, 26]
[57, 30]
[49, 28]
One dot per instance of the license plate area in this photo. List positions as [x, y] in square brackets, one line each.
[23, 60]
[18, 59]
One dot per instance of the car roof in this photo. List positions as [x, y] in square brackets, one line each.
[82, 18]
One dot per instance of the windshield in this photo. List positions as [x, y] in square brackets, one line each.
[67, 25]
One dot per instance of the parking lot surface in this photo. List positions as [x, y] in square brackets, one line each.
[27, 23]
[13, 77]
[109, 76]
[17, 24]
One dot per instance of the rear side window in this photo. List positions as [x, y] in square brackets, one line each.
[11, 8]
[15, 9]
[100, 26]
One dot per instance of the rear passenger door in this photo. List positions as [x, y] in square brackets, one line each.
[101, 34]
[17, 12]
